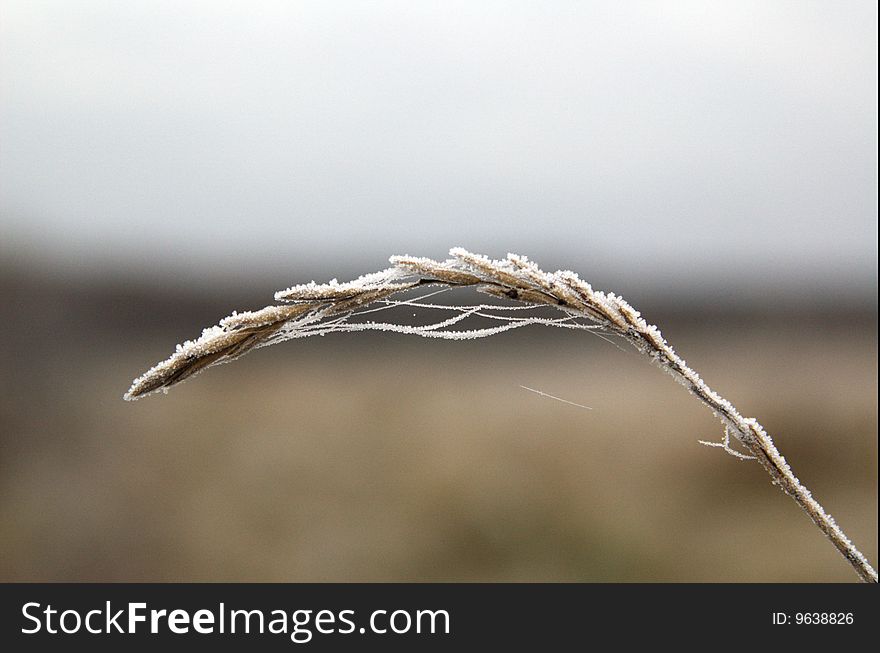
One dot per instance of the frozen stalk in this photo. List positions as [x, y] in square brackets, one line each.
[316, 309]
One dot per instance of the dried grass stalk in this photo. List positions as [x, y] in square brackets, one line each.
[321, 308]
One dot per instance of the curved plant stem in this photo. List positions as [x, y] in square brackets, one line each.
[752, 435]
[313, 309]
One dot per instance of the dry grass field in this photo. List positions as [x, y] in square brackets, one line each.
[371, 457]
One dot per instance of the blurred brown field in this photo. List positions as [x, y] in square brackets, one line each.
[391, 458]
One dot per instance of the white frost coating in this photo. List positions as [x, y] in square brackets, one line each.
[450, 307]
[250, 319]
[427, 332]
[435, 330]
[399, 259]
[725, 444]
[335, 290]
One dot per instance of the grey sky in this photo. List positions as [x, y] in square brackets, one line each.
[730, 139]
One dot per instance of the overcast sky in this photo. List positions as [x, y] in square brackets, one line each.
[666, 141]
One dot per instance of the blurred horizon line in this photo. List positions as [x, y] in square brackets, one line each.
[242, 279]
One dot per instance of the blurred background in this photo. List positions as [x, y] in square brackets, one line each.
[163, 163]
